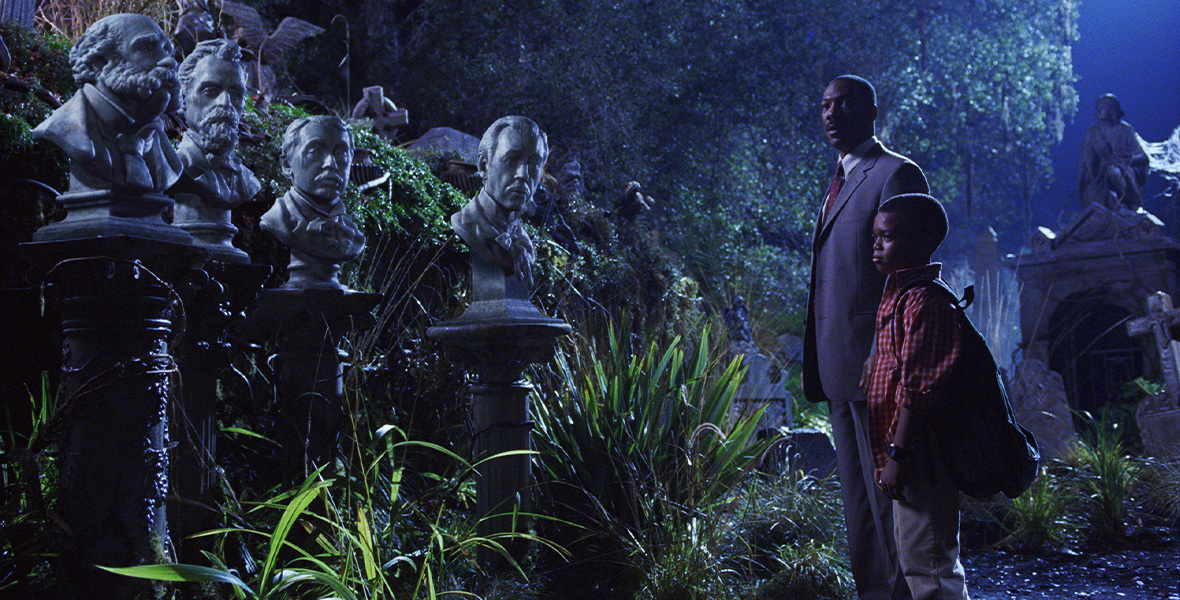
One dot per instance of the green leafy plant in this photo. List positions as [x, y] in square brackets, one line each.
[1042, 515]
[1106, 475]
[642, 444]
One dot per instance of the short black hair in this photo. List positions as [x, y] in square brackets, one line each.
[925, 214]
[863, 88]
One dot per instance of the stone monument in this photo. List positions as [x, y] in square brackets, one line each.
[501, 333]
[1039, 401]
[120, 157]
[310, 313]
[1159, 414]
[386, 116]
[214, 180]
[1113, 168]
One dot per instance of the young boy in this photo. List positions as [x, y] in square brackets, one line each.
[917, 341]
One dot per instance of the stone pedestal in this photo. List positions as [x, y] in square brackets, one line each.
[210, 227]
[214, 298]
[103, 213]
[307, 326]
[497, 337]
[118, 309]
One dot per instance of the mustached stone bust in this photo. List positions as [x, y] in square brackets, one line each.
[214, 181]
[512, 154]
[310, 218]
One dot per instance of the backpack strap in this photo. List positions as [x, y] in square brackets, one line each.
[961, 303]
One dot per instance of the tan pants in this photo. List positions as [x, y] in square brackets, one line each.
[926, 527]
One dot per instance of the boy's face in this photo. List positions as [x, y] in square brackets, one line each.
[896, 245]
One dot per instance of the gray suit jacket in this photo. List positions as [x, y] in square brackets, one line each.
[845, 285]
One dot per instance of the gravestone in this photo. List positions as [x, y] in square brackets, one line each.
[811, 452]
[1158, 415]
[1038, 398]
[763, 384]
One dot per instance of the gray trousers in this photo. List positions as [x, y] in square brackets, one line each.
[926, 526]
[868, 512]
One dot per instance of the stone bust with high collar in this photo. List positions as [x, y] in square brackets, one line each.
[512, 154]
[310, 218]
[111, 129]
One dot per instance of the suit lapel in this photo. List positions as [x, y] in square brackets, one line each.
[851, 183]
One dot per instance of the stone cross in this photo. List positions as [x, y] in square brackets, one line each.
[1158, 323]
[1158, 415]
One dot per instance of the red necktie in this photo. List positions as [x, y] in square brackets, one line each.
[834, 188]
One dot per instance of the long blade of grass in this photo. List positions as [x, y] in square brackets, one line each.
[174, 572]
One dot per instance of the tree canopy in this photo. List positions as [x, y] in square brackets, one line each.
[713, 105]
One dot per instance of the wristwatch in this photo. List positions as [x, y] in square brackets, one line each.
[897, 453]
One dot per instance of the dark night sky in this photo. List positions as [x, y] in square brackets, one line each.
[1130, 48]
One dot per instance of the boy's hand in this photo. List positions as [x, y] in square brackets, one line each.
[866, 372]
[891, 479]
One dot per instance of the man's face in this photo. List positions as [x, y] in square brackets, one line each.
[846, 116]
[319, 166]
[143, 70]
[213, 103]
[895, 243]
[514, 168]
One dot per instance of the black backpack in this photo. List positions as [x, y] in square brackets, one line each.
[975, 429]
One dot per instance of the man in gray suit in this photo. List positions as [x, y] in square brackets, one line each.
[841, 309]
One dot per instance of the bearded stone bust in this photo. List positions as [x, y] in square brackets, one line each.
[213, 91]
[111, 128]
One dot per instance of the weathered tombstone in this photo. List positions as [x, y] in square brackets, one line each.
[1158, 415]
[763, 384]
[311, 312]
[810, 451]
[501, 333]
[113, 263]
[444, 140]
[1038, 398]
[386, 116]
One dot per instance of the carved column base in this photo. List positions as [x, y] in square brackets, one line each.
[102, 213]
[117, 306]
[497, 337]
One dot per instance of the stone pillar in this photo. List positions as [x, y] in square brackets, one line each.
[307, 325]
[118, 312]
[497, 337]
[214, 298]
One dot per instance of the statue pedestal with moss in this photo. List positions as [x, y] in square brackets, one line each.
[112, 267]
[308, 316]
[501, 333]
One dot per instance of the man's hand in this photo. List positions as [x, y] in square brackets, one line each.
[866, 373]
[891, 479]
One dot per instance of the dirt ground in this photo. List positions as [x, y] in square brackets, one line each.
[1148, 572]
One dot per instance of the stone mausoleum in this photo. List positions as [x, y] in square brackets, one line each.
[1079, 288]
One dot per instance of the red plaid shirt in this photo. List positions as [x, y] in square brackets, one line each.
[912, 369]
